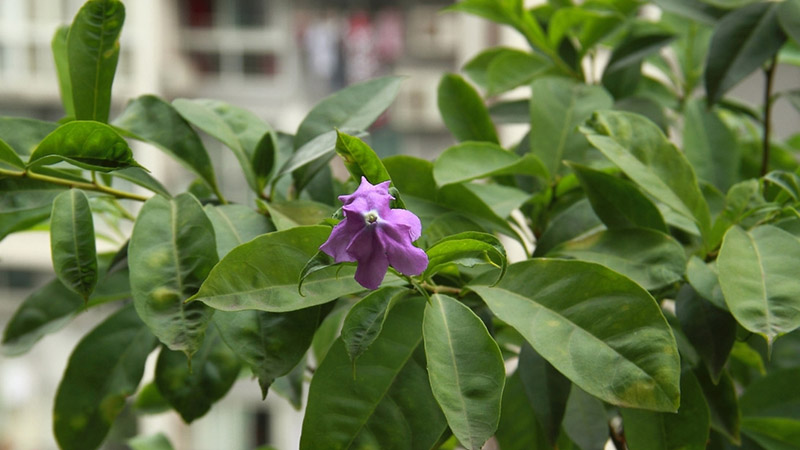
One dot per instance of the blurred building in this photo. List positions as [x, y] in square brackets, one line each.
[276, 58]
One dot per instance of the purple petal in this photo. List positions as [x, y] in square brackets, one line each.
[366, 248]
[368, 197]
[402, 255]
[404, 218]
[341, 236]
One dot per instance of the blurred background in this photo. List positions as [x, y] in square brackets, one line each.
[276, 58]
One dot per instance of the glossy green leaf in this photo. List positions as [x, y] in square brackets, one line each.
[271, 344]
[300, 212]
[72, 242]
[61, 58]
[514, 68]
[465, 369]
[770, 412]
[171, 252]
[236, 224]
[311, 155]
[354, 107]
[9, 159]
[585, 421]
[247, 279]
[470, 160]
[386, 402]
[192, 388]
[290, 386]
[743, 40]
[151, 119]
[758, 279]
[513, 111]
[789, 18]
[650, 258]
[239, 129]
[139, 176]
[578, 220]
[502, 200]
[463, 111]
[23, 134]
[623, 72]
[703, 278]
[328, 332]
[710, 146]
[93, 51]
[22, 219]
[638, 147]
[723, 403]
[467, 249]
[741, 200]
[86, 144]
[688, 429]
[53, 305]
[477, 68]
[558, 106]
[588, 23]
[360, 159]
[364, 321]
[156, 441]
[711, 330]
[150, 401]
[594, 310]
[23, 194]
[509, 12]
[104, 369]
[545, 389]
[518, 428]
[617, 202]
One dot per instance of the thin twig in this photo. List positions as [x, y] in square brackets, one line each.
[770, 75]
[95, 186]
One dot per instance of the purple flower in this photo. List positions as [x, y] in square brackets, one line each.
[376, 236]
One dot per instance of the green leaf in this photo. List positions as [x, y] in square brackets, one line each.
[236, 224]
[9, 159]
[22, 219]
[61, 57]
[518, 428]
[150, 401]
[317, 151]
[585, 421]
[757, 276]
[192, 389]
[638, 147]
[545, 389]
[171, 252]
[386, 402]
[513, 111]
[558, 106]
[290, 386]
[240, 130]
[743, 40]
[86, 144]
[509, 12]
[364, 321]
[723, 403]
[93, 51]
[477, 68]
[152, 442]
[551, 302]
[711, 330]
[710, 146]
[577, 220]
[354, 107]
[245, 279]
[789, 18]
[650, 258]
[465, 369]
[617, 202]
[741, 201]
[770, 409]
[514, 68]
[23, 134]
[104, 369]
[271, 344]
[52, 306]
[705, 281]
[467, 249]
[360, 159]
[463, 111]
[72, 242]
[151, 119]
[626, 58]
[470, 160]
[328, 332]
[139, 176]
[688, 429]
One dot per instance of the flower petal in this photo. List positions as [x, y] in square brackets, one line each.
[341, 236]
[402, 255]
[368, 197]
[368, 250]
[404, 218]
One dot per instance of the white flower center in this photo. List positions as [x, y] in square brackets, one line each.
[370, 217]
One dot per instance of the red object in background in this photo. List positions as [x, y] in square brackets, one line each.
[361, 62]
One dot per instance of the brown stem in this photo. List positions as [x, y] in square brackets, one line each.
[440, 289]
[770, 75]
[95, 186]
